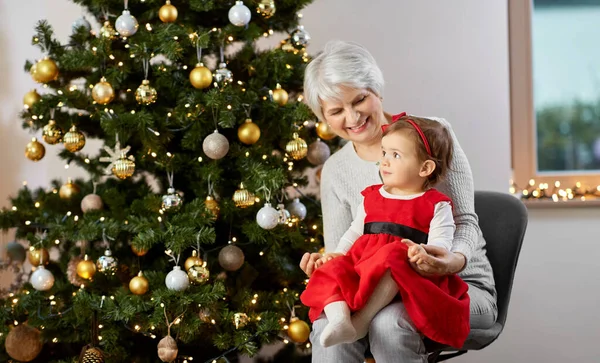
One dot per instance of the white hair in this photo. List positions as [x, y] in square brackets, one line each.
[340, 64]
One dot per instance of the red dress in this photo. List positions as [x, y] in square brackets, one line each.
[438, 306]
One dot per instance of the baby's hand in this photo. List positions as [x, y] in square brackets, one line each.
[416, 254]
[326, 258]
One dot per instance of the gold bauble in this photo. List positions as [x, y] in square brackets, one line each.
[280, 96]
[74, 140]
[201, 77]
[72, 272]
[138, 251]
[44, 71]
[167, 13]
[266, 8]
[192, 260]
[198, 274]
[240, 320]
[23, 343]
[92, 355]
[139, 285]
[296, 148]
[167, 349]
[31, 98]
[243, 198]
[107, 30]
[36, 256]
[298, 330]
[68, 190]
[52, 133]
[145, 94]
[249, 132]
[213, 206]
[324, 131]
[86, 268]
[103, 92]
[123, 168]
[35, 150]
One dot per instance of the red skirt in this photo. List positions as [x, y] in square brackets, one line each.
[438, 306]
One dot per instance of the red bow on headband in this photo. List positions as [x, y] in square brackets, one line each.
[397, 117]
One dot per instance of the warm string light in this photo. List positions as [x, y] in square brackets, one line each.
[542, 191]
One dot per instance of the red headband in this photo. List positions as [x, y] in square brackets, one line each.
[400, 115]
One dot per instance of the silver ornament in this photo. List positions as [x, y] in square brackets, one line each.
[223, 76]
[91, 202]
[297, 209]
[267, 217]
[300, 37]
[107, 264]
[198, 274]
[171, 202]
[284, 215]
[81, 22]
[177, 279]
[318, 152]
[215, 145]
[42, 279]
[15, 252]
[239, 14]
[126, 24]
[231, 258]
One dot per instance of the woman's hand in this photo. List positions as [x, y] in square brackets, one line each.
[438, 261]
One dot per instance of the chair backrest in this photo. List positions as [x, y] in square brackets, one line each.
[503, 221]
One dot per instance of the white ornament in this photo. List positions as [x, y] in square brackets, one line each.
[126, 24]
[300, 37]
[267, 217]
[284, 214]
[91, 202]
[239, 14]
[42, 279]
[297, 209]
[215, 145]
[81, 22]
[177, 279]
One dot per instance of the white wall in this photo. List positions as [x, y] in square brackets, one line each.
[443, 58]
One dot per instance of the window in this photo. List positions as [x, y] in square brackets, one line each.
[555, 99]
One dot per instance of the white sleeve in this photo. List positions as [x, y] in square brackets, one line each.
[354, 232]
[441, 229]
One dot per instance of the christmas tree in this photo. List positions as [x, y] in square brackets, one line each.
[183, 244]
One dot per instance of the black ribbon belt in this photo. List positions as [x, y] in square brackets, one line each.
[395, 229]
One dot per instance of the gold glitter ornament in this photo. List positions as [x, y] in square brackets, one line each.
[145, 94]
[297, 147]
[74, 140]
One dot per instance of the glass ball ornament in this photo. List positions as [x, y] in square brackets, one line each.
[107, 264]
[193, 260]
[201, 77]
[324, 131]
[249, 132]
[239, 14]
[266, 8]
[103, 92]
[91, 202]
[68, 190]
[86, 268]
[35, 150]
[74, 140]
[300, 37]
[297, 147]
[38, 256]
[145, 94]
[198, 274]
[231, 258]
[44, 71]
[298, 330]
[297, 209]
[280, 96]
[318, 152]
[126, 24]
[41, 279]
[52, 133]
[167, 349]
[215, 145]
[139, 285]
[171, 202]
[31, 98]
[267, 217]
[168, 13]
[81, 22]
[177, 279]
[212, 206]
[243, 198]
[223, 76]
[123, 168]
[107, 30]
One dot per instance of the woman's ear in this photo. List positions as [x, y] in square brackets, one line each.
[427, 168]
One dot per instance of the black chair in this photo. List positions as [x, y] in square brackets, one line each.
[503, 221]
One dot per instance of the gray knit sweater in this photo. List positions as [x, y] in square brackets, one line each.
[345, 175]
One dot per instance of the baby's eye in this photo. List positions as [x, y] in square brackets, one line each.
[396, 156]
[382, 153]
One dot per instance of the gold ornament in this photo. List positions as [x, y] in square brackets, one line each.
[280, 96]
[35, 150]
[231, 258]
[103, 92]
[324, 131]
[74, 140]
[91, 202]
[86, 268]
[68, 190]
[201, 77]
[249, 132]
[298, 330]
[139, 285]
[72, 272]
[240, 320]
[37, 256]
[23, 343]
[145, 94]
[138, 251]
[167, 13]
[107, 30]
[123, 168]
[52, 133]
[92, 355]
[297, 147]
[198, 274]
[213, 206]
[167, 349]
[192, 260]
[266, 8]
[243, 198]
[44, 71]
[31, 98]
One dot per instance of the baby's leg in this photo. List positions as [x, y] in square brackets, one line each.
[340, 329]
[383, 294]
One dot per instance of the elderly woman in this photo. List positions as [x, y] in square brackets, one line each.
[344, 87]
